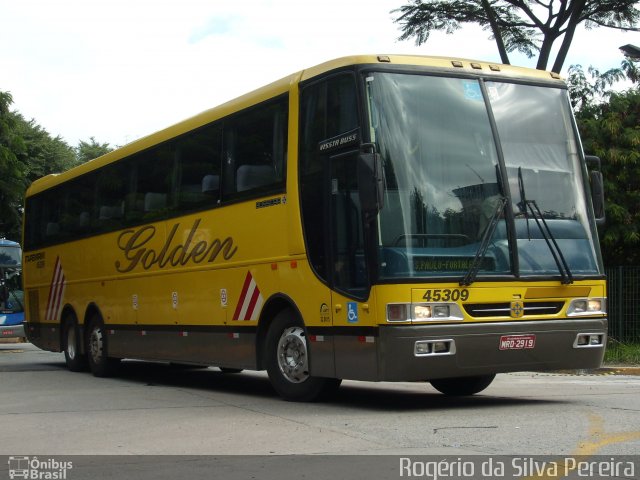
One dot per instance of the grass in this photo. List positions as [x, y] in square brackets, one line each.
[619, 353]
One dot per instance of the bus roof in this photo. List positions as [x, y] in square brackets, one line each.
[282, 86]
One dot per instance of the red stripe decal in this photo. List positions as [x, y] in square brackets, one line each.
[245, 287]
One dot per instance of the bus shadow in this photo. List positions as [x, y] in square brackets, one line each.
[391, 399]
[362, 395]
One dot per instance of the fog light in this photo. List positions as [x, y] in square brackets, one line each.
[434, 348]
[589, 340]
[423, 348]
[582, 340]
[440, 347]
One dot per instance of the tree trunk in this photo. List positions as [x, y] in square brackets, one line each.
[574, 20]
[504, 56]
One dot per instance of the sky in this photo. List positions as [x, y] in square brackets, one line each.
[118, 70]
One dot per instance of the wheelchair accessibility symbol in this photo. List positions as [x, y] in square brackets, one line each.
[352, 312]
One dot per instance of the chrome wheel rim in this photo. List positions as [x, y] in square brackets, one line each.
[71, 342]
[293, 359]
[96, 345]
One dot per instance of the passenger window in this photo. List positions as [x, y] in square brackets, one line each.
[255, 145]
[112, 185]
[199, 161]
[150, 196]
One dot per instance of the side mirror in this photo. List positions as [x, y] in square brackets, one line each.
[370, 184]
[596, 180]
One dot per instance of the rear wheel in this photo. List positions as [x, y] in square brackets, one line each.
[75, 360]
[287, 360]
[100, 363]
[463, 385]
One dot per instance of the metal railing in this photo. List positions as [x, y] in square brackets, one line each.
[623, 303]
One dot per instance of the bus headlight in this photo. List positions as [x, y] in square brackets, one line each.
[587, 306]
[423, 312]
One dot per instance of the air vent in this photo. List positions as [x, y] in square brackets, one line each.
[484, 310]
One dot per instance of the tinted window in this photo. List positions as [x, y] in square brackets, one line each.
[328, 109]
[255, 151]
[179, 176]
[198, 168]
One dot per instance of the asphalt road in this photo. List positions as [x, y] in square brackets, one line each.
[155, 409]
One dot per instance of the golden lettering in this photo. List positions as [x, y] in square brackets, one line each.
[133, 244]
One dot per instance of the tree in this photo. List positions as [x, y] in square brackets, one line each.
[43, 153]
[609, 123]
[28, 152]
[86, 151]
[12, 171]
[526, 26]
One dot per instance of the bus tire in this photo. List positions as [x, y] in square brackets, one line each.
[71, 345]
[100, 363]
[462, 386]
[287, 361]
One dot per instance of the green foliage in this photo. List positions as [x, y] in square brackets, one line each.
[609, 123]
[12, 180]
[92, 149]
[619, 353]
[44, 154]
[527, 26]
[28, 152]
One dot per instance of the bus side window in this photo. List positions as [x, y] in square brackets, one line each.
[112, 185]
[255, 151]
[198, 157]
[150, 189]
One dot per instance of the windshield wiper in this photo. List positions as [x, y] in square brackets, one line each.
[531, 205]
[470, 277]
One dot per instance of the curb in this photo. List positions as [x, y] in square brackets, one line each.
[613, 370]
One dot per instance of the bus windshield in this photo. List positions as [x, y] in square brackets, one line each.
[11, 293]
[444, 174]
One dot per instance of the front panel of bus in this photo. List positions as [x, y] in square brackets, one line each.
[483, 254]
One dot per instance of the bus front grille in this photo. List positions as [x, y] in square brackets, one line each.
[483, 310]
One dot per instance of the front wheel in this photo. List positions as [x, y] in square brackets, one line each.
[462, 386]
[100, 363]
[287, 360]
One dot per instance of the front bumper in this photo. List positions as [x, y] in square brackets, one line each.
[476, 348]
[12, 331]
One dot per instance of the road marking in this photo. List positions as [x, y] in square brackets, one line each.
[599, 438]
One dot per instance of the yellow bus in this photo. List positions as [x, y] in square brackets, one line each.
[377, 218]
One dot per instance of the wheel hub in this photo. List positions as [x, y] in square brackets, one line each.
[292, 355]
[71, 343]
[95, 345]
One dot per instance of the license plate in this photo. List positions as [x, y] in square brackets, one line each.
[7, 332]
[517, 342]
